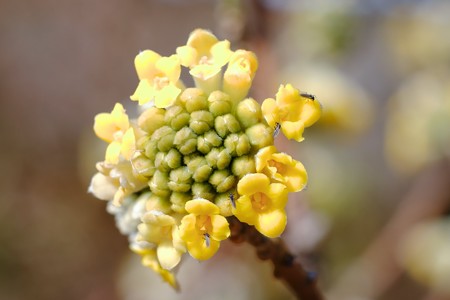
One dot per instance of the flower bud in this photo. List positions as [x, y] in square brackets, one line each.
[185, 141]
[173, 159]
[237, 144]
[178, 201]
[223, 159]
[248, 112]
[201, 121]
[219, 103]
[243, 165]
[160, 162]
[159, 184]
[260, 135]
[180, 180]
[176, 117]
[151, 149]
[164, 136]
[208, 141]
[155, 202]
[151, 119]
[226, 124]
[223, 201]
[200, 169]
[142, 165]
[203, 190]
[238, 77]
[194, 99]
[222, 180]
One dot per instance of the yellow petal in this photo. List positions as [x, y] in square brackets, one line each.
[144, 92]
[187, 55]
[128, 146]
[293, 130]
[168, 256]
[201, 207]
[102, 187]
[253, 183]
[270, 112]
[113, 153]
[262, 156]
[201, 251]
[220, 228]
[278, 194]
[145, 64]
[221, 53]
[244, 210]
[167, 96]
[202, 40]
[170, 67]
[272, 223]
[107, 124]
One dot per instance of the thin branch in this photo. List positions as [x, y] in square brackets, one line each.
[286, 267]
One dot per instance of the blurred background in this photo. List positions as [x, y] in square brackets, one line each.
[373, 221]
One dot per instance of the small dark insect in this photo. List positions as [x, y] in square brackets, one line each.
[309, 96]
[207, 239]
[276, 129]
[232, 200]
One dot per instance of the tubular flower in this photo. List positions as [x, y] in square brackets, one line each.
[281, 168]
[205, 56]
[115, 129]
[239, 75]
[262, 204]
[158, 79]
[200, 154]
[292, 111]
[203, 228]
[160, 229]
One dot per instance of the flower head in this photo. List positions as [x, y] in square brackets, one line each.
[280, 167]
[115, 129]
[262, 204]
[158, 79]
[292, 111]
[203, 228]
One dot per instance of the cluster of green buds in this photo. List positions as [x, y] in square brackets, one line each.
[198, 155]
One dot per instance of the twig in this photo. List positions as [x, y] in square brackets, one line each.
[286, 266]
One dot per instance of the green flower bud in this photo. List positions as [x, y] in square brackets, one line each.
[200, 169]
[173, 159]
[160, 162]
[223, 159]
[222, 180]
[226, 124]
[142, 165]
[203, 190]
[237, 144]
[142, 142]
[248, 112]
[201, 121]
[212, 157]
[176, 117]
[208, 141]
[164, 136]
[151, 119]
[180, 180]
[151, 149]
[219, 103]
[178, 201]
[185, 141]
[223, 201]
[243, 165]
[194, 99]
[155, 202]
[159, 184]
[260, 135]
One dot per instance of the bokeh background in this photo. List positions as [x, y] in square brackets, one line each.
[374, 220]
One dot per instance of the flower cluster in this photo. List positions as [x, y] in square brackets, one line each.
[198, 155]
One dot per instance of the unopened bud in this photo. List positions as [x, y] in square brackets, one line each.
[201, 121]
[164, 136]
[155, 202]
[185, 141]
[203, 190]
[208, 141]
[226, 124]
[222, 180]
[143, 165]
[260, 136]
[194, 99]
[248, 112]
[151, 119]
[159, 184]
[237, 144]
[219, 103]
[176, 117]
[178, 201]
[180, 180]
[200, 169]
[243, 165]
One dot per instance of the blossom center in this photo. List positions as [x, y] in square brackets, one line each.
[204, 60]
[160, 82]
[277, 165]
[260, 202]
[118, 134]
[203, 224]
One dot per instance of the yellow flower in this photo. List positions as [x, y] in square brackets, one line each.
[281, 168]
[115, 129]
[239, 75]
[150, 260]
[159, 77]
[160, 229]
[261, 204]
[203, 228]
[292, 111]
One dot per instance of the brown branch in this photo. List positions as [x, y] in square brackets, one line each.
[286, 267]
